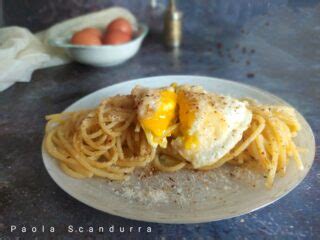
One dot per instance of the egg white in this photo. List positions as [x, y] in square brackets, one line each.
[219, 123]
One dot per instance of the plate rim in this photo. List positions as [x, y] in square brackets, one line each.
[198, 219]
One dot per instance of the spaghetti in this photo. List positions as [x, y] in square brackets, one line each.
[108, 142]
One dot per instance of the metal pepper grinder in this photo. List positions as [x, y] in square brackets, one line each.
[172, 25]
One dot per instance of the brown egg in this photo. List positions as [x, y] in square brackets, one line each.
[115, 38]
[120, 24]
[93, 31]
[86, 38]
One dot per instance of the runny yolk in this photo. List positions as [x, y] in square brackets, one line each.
[162, 118]
[186, 117]
[190, 141]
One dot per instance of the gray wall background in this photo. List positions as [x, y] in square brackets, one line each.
[38, 14]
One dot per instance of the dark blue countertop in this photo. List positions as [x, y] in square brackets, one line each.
[276, 49]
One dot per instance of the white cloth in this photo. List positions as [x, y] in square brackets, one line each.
[22, 52]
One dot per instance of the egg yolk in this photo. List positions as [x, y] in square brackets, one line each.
[162, 118]
[186, 118]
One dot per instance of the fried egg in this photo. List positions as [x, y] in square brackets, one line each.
[156, 113]
[210, 125]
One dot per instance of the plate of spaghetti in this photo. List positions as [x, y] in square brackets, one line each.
[178, 149]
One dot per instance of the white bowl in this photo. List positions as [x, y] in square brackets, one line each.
[104, 55]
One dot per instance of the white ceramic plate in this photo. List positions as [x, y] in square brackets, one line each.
[187, 196]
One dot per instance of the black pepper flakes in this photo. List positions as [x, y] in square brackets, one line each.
[250, 75]
[171, 179]
[219, 45]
